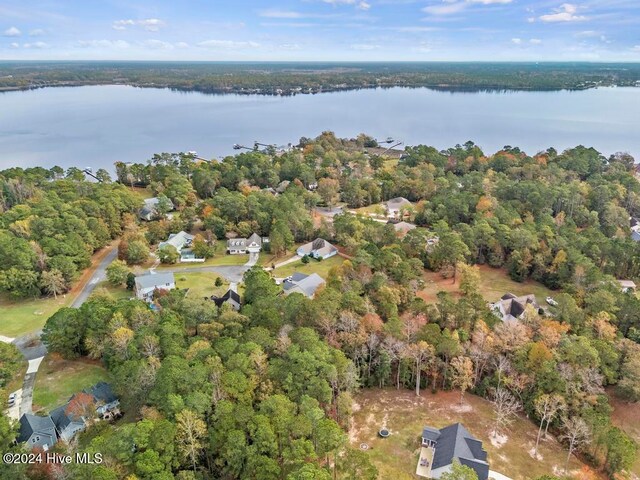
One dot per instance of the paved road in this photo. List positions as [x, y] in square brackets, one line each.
[98, 276]
[34, 350]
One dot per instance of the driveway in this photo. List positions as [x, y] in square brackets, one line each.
[253, 259]
[34, 350]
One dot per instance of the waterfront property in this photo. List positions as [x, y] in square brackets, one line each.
[146, 285]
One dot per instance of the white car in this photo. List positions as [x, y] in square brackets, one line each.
[552, 302]
[12, 399]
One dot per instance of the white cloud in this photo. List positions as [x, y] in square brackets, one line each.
[290, 46]
[531, 19]
[636, 48]
[103, 44]
[281, 14]
[38, 45]
[364, 47]
[535, 41]
[122, 24]
[12, 32]
[565, 13]
[157, 44]
[14, 45]
[182, 45]
[360, 4]
[516, 41]
[227, 44]
[149, 24]
[448, 7]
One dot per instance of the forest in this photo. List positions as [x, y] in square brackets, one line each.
[273, 78]
[268, 392]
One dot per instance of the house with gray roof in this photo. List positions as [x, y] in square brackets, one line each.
[37, 431]
[307, 285]
[104, 398]
[395, 205]
[147, 284]
[511, 308]
[242, 246]
[318, 249]
[150, 209]
[68, 422]
[441, 447]
[182, 242]
[231, 297]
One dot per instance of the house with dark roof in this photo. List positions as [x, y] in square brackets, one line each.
[150, 209]
[105, 400]
[317, 249]
[147, 284]
[510, 307]
[231, 297]
[71, 417]
[253, 244]
[37, 431]
[307, 285]
[441, 447]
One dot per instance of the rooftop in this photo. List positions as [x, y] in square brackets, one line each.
[154, 280]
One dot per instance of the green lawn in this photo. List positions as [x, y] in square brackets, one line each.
[494, 283]
[20, 316]
[405, 415]
[201, 284]
[321, 268]
[220, 258]
[58, 379]
[268, 259]
[116, 293]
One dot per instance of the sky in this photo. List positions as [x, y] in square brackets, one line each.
[321, 30]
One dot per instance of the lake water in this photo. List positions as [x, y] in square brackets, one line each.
[96, 126]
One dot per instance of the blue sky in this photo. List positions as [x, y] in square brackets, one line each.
[417, 30]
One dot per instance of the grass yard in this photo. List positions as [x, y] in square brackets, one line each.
[321, 268]
[200, 284]
[494, 283]
[115, 293]
[58, 379]
[405, 415]
[21, 316]
[268, 259]
[627, 417]
[220, 258]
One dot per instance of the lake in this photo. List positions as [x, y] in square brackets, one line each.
[98, 125]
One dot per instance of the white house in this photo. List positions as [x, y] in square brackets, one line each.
[182, 242]
[147, 284]
[253, 244]
[319, 248]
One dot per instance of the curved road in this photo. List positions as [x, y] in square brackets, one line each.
[34, 350]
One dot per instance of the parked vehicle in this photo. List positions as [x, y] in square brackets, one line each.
[552, 302]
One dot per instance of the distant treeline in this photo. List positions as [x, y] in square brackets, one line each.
[293, 78]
